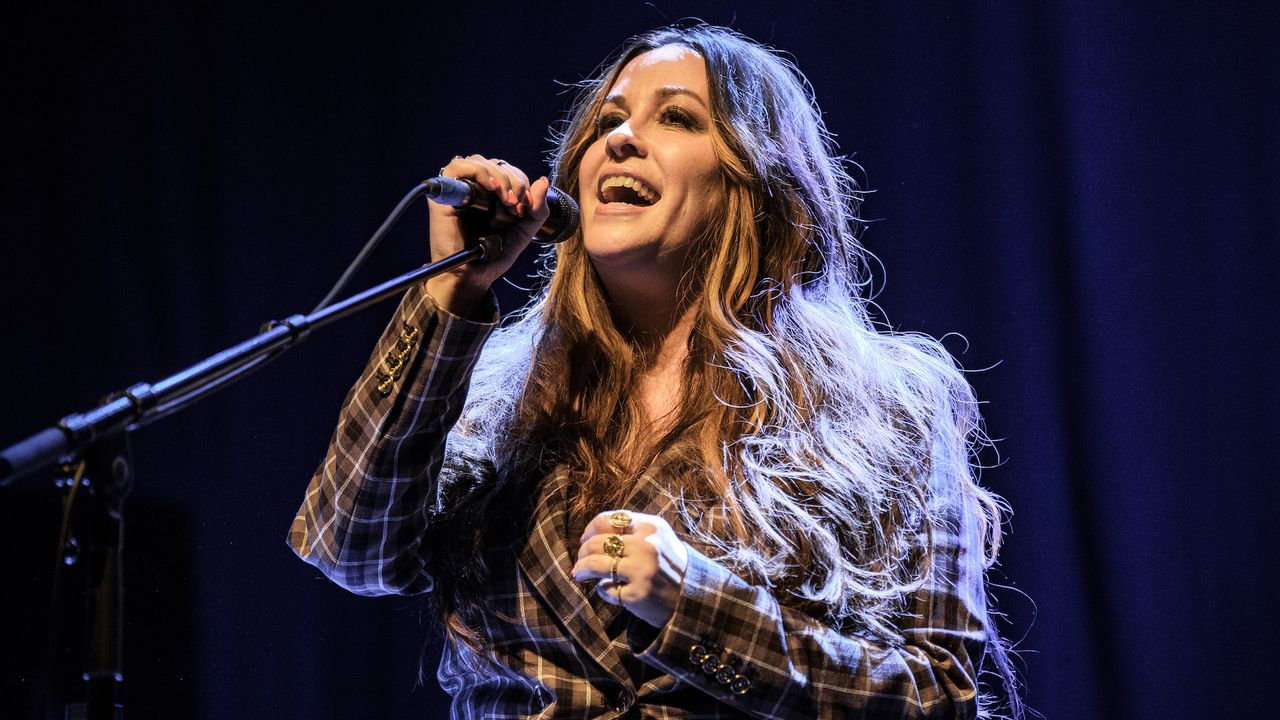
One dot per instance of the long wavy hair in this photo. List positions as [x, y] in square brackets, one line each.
[814, 452]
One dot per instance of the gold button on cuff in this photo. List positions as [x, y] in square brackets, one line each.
[395, 365]
[397, 359]
[385, 384]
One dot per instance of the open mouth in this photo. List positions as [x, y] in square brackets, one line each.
[628, 190]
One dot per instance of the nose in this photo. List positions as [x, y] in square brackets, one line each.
[621, 142]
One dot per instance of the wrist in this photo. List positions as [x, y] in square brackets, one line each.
[458, 298]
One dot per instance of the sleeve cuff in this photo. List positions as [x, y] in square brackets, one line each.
[693, 644]
[422, 325]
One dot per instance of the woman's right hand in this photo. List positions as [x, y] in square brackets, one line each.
[461, 290]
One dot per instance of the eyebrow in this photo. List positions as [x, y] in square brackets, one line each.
[663, 93]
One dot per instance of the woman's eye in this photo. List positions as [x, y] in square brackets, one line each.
[609, 121]
[679, 117]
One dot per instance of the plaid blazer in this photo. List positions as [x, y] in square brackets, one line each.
[730, 649]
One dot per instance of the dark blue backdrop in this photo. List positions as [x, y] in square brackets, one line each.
[1087, 191]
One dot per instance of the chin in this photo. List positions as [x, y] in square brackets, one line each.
[614, 242]
[617, 255]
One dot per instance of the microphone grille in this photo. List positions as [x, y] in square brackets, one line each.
[564, 218]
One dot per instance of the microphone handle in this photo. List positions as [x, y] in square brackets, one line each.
[482, 213]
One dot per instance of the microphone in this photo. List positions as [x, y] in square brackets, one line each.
[483, 213]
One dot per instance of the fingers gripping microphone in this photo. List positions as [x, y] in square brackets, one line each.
[488, 214]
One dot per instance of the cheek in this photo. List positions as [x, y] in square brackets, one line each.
[704, 197]
[590, 163]
[705, 182]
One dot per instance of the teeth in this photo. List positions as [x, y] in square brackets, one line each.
[650, 196]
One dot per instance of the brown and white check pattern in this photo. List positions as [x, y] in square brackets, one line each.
[729, 651]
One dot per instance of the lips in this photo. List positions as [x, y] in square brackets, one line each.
[627, 189]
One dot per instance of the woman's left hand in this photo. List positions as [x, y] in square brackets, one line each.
[649, 571]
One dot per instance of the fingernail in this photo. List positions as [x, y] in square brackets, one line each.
[519, 209]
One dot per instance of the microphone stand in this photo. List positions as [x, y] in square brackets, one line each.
[97, 439]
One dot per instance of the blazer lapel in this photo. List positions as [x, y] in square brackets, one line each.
[648, 497]
[546, 562]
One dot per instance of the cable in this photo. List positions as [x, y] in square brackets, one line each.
[231, 376]
[371, 245]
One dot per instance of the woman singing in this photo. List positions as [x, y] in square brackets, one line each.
[691, 478]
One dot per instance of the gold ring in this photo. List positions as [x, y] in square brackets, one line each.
[613, 571]
[613, 546]
[620, 520]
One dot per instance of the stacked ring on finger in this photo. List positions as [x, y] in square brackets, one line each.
[620, 520]
[613, 546]
[613, 571]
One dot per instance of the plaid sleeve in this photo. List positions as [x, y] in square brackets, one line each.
[368, 504]
[735, 642]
